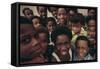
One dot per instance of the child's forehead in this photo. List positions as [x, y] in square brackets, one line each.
[92, 10]
[53, 8]
[28, 11]
[25, 28]
[42, 8]
[61, 10]
[76, 24]
[35, 19]
[82, 41]
[92, 21]
[50, 22]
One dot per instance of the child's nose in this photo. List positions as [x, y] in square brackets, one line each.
[39, 24]
[81, 51]
[61, 16]
[34, 42]
[63, 47]
[43, 13]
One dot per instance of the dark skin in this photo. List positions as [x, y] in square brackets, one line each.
[76, 28]
[53, 10]
[42, 11]
[62, 47]
[36, 23]
[82, 49]
[91, 31]
[62, 16]
[28, 14]
[30, 49]
[92, 25]
[50, 26]
[43, 41]
[91, 12]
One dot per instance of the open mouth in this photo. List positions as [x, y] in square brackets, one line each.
[64, 52]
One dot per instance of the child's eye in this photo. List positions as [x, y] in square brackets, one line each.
[26, 40]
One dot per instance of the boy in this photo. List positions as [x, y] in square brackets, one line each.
[82, 49]
[62, 16]
[36, 22]
[42, 11]
[28, 13]
[43, 35]
[76, 27]
[91, 24]
[91, 12]
[51, 24]
[72, 12]
[61, 37]
[30, 49]
[53, 11]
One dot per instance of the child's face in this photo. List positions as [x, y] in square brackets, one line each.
[62, 15]
[54, 11]
[91, 25]
[76, 28]
[63, 45]
[29, 46]
[43, 40]
[50, 26]
[28, 14]
[71, 13]
[91, 12]
[81, 48]
[36, 23]
[42, 11]
[91, 33]
[91, 36]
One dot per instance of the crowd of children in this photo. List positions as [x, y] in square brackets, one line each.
[66, 36]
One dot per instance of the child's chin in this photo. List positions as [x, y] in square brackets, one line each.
[81, 56]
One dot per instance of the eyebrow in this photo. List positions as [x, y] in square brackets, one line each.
[26, 32]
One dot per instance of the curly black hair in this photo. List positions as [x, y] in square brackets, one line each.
[27, 9]
[77, 18]
[59, 31]
[51, 19]
[82, 38]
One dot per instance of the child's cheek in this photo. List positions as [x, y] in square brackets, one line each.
[74, 29]
[25, 50]
[82, 53]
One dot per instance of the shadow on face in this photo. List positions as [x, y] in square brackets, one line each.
[63, 44]
[42, 11]
[62, 15]
[82, 48]
[28, 14]
[29, 46]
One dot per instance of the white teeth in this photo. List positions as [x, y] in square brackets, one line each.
[63, 53]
